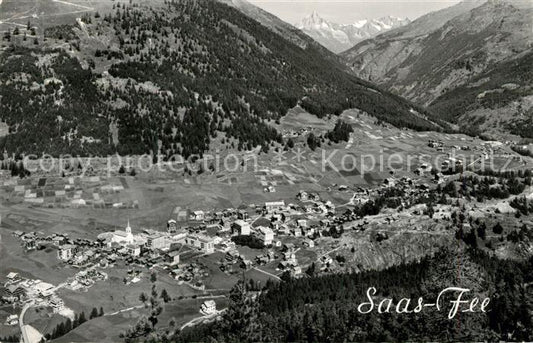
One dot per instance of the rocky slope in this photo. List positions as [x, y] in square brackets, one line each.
[340, 37]
[453, 48]
[374, 59]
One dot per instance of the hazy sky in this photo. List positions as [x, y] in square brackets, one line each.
[348, 11]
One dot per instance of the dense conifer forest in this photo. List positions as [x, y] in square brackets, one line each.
[324, 308]
[177, 76]
[490, 90]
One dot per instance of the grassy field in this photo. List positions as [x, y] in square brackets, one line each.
[47, 13]
[6, 311]
[43, 319]
[158, 194]
[42, 265]
[108, 328]
[102, 329]
[113, 295]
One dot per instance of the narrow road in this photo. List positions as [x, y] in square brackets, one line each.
[476, 161]
[329, 252]
[267, 273]
[71, 4]
[198, 320]
[351, 202]
[22, 313]
[124, 310]
[138, 307]
[210, 297]
[28, 333]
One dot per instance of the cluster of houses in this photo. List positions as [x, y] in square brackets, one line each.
[205, 232]
[439, 145]
[271, 224]
[484, 151]
[13, 290]
[18, 290]
[291, 133]
[86, 278]
[289, 261]
[191, 274]
[280, 228]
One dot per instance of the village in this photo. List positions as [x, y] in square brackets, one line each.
[287, 222]
[276, 229]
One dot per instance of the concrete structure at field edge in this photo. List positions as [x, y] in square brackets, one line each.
[208, 307]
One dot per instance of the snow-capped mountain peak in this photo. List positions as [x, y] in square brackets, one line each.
[314, 21]
[340, 37]
[360, 23]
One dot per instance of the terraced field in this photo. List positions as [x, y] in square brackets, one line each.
[44, 13]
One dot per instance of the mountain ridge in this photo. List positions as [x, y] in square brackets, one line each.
[340, 37]
[269, 20]
[425, 67]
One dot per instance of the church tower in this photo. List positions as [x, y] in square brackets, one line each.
[128, 228]
[129, 235]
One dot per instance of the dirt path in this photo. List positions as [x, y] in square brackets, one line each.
[267, 273]
[199, 320]
[71, 4]
[124, 310]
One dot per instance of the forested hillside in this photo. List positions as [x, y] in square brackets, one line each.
[324, 309]
[504, 91]
[171, 78]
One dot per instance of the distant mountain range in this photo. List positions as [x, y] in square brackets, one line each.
[341, 37]
[476, 46]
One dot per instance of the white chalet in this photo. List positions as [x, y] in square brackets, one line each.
[265, 234]
[198, 215]
[241, 227]
[274, 205]
[203, 243]
[208, 307]
[65, 252]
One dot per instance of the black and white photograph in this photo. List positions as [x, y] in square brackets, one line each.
[176, 171]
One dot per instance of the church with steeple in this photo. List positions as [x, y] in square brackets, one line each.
[123, 237]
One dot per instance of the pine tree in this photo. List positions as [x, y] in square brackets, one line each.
[143, 298]
[82, 318]
[68, 326]
[290, 143]
[497, 229]
[94, 313]
[164, 295]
